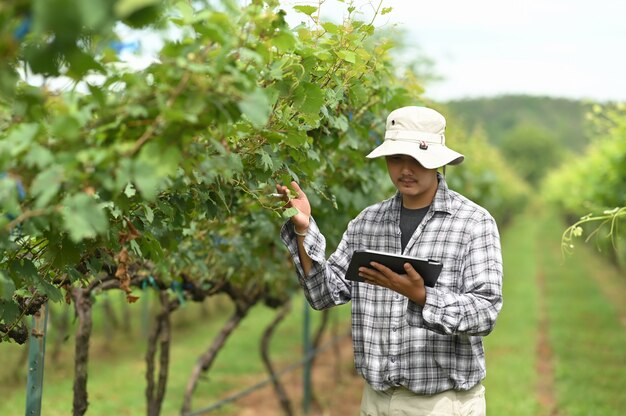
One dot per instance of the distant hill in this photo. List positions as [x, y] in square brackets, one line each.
[564, 118]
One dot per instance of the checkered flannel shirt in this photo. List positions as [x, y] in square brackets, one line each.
[396, 342]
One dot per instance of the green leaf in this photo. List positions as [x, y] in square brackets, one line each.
[276, 70]
[9, 198]
[308, 98]
[97, 93]
[347, 56]
[147, 182]
[308, 10]
[23, 270]
[135, 248]
[246, 55]
[125, 8]
[386, 10]
[295, 139]
[38, 156]
[256, 107]
[284, 41]
[154, 164]
[65, 127]
[145, 16]
[149, 213]
[54, 293]
[19, 139]
[185, 10]
[130, 190]
[75, 275]
[340, 123]
[266, 160]
[358, 94]
[9, 311]
[330, 27]
[46, 185]
[80, 63]
[62, 252]
[290, 212]
[8, 79]
[150, 247]
[83, 217]
[7, 287]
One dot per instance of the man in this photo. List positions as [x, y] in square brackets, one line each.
[418, 348]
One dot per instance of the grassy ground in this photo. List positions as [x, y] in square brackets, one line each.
[117, 369]
[510, 348]
[579, 302]
[587, 336]
[559, 347]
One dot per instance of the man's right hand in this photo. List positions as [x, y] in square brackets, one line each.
[302, 219]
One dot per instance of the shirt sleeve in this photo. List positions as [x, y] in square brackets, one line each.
[474, 311]
[325, 286]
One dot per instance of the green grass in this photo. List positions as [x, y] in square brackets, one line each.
[587, 337]
[116, 382]
[588, 340]
[510, 348]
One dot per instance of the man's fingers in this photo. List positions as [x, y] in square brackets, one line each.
[411, 272]
[284, 191]
[375, 272]
[297, 188]
[382, 268]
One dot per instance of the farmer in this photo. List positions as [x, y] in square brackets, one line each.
[418, 348]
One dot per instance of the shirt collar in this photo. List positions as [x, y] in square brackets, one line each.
[442, 200]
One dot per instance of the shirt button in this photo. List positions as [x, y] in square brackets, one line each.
[397, 296]
[394, 329]
[393, 359]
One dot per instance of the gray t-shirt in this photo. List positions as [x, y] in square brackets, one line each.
[409, 220]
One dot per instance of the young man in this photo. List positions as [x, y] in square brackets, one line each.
[418, 348]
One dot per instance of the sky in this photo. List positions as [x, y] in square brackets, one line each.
[561, 48]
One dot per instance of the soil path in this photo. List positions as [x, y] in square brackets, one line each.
[544, 362]
[334, 382]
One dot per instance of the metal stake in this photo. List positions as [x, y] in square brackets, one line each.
[306, 402]
[36, 354]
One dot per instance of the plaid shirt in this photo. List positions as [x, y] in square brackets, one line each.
[396, 342]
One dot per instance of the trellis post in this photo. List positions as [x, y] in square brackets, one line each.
[36, 355]
[306, 397]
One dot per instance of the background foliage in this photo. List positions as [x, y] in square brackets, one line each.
[593, 186]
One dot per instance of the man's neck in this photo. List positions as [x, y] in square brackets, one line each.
[420, 201]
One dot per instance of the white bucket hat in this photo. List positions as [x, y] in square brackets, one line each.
[419, 133]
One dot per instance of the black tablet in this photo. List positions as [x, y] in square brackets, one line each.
[428, 269]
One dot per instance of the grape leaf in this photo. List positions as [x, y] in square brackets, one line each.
[83, 217]
[308, 10]
[256, 107]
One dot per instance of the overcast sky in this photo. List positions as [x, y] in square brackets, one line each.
[561, 48]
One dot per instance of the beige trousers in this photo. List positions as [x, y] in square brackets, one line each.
[402, 402]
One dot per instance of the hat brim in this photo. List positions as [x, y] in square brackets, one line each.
[436, 156]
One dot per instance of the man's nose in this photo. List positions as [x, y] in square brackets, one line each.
[408, 165]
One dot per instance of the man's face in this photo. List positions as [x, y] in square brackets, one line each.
[417, 184]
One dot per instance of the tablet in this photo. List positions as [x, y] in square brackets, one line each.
[428, 269]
